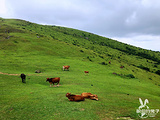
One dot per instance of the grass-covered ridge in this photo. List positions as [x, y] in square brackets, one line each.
[105, 47]
[26, 47]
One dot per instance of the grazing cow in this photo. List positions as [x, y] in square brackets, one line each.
[90, 96]
[122, 66]
[86, 72]
[53, 80]
[76, 98]
[23, 77]
[66, 67]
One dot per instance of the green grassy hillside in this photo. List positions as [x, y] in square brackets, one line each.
[26, 47]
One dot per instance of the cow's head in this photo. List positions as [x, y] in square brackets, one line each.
[94, 97]
[47, 79]
[68, 94]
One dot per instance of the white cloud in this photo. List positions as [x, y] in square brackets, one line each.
[149, 42]
[3, 9]
[132, 19]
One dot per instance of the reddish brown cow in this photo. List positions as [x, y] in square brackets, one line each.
[53, 80]
[66, 67]
[122, 66]
[86, 72]
[86, 95]
[76, 98]
[94, 97]
[90, 96]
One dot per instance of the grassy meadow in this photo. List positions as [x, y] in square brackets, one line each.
[21, 51]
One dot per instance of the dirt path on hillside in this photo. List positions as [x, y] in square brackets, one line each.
[18, 74]
[10, 74]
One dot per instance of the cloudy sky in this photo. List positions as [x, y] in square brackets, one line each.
[135, 22]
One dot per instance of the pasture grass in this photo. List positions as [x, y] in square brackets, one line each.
[36, 100]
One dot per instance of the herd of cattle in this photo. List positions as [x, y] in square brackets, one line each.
[71, 97]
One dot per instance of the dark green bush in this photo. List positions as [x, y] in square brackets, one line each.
[144, 68]
[130, 76]
[89, 58]
[81, 51]
[103, 63]
[158, 72]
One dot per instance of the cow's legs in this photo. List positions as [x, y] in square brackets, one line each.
[53, 85]
[71, 99]
[23, 80]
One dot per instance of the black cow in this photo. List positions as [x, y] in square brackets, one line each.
[23, 77]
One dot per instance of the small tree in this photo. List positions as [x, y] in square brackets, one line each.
[158, 72]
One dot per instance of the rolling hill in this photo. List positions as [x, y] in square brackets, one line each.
[26, 47]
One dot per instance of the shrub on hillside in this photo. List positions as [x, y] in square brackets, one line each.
[144, 68]
[89, 58]
[155, 66]
[130, 76]
[103, 63]
[81, 51]
[101, 56]
[158, 72]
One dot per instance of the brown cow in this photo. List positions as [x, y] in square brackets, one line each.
[53, 80]
[94, 97]
[86, 72]
[66, 67]
[122, 66]
[90, 96]
[76, 98]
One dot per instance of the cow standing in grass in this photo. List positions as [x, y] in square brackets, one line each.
[53, 80]
[66, 67]
[121, 66]
[23, 77]
[86, 72]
